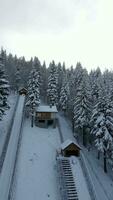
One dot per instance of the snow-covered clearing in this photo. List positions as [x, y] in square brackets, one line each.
[6, 121]
[36, 176]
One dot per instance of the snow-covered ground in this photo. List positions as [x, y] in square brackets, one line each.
[36, 176]
[65, 128]
[103, 184]
[9, 161]
[6, 121]
[80, 182]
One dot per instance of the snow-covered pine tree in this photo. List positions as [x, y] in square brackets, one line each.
[82, 107]
[74, 77]
[60, 79]
[102, 125]
[4, 89]
[95, 79]
[17, 79]
[33, 92]
[64, 95]
[37, 66]
[52, 84]
[43, 89]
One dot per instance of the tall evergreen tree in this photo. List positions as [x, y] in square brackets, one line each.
[64, 95]
[52, 84]
[44, 82]
[4, 89]
[95, 81]
[82, 107]
[33, 92]
[17, 79]
[102, 125]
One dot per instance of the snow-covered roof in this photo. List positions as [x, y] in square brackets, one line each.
[22, 88]
[47, 109]
[67, 143]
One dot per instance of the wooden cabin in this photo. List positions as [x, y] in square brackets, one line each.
[23, 91]
[70, 148]
[45, 116]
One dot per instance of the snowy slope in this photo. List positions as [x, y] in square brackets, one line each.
[102, 183]
[65, 128]
[8, 166]
[36, 176]
[5, 123]
[80, 182]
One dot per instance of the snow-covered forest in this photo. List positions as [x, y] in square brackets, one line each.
[85, 98]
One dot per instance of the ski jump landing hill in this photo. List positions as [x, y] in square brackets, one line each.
[6, 175]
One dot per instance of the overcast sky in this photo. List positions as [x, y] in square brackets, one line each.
[63, 30]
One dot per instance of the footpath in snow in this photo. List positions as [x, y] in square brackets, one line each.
[36, 175]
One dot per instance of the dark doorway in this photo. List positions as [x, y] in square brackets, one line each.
[50, 122]
[72, 153]
[41, 121]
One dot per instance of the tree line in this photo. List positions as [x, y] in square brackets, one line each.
[86, 99]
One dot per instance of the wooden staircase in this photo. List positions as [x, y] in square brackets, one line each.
[67, 182]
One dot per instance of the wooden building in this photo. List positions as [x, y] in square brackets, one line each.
[45, 116]
[70, 148]
[22, 91]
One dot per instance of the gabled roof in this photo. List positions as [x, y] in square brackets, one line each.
[52, 109]
[22, 88]
[65, 144]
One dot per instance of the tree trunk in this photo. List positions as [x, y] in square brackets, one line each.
[32, 120]
[98, 152]
[84, 136]
[98, 156]
[32, 117]
[105, 163]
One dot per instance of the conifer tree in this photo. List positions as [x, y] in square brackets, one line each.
[4, 89]
[52, 84]
[64, 95]
[33, 92]
[82, 107]
[95, 81]
[102, 125]
[17, 79]
[44, 82]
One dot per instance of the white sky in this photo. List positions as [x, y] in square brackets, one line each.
[63, 30]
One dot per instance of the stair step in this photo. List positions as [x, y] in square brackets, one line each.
[67, 168]
[69, 174]
[70, 186]
[72, 195]
[70, 182]
[72, 192]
